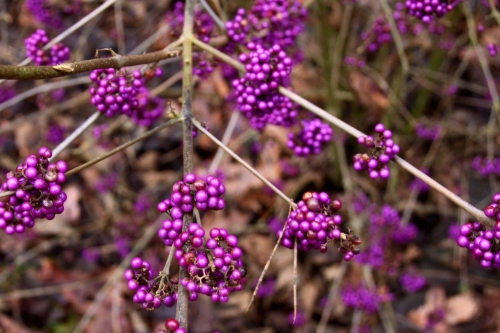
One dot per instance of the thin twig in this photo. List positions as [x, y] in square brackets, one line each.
[396, 37]
[49, 290]
[242, 162]
[150, 40]
[233, 121]
[295, 279]
[118, 273]
[110, 153]
[41, 89]
[214, 16]
[334, 289]
[224, 57]
[76, 133]
[120, 33]
[266, 266]
[121, 147]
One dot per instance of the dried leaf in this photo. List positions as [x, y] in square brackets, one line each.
[462, 308]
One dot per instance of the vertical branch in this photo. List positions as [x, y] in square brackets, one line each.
[187, 130]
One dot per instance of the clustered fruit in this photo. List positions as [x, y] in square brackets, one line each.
[149, 292]
[214, 267]
[117, 92]
[310, 141]
[38, 192]
[426, 10]
[483, 243]
[256, 93]
[186, 194]
[315, 223]
[383, 150]
[268, 23]
[34, 50]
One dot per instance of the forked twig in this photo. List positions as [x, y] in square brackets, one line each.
[266, 267]
[294, 280]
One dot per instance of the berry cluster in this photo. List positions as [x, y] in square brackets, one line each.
[51, 13]
[42, 12]
[412, 282]
[362, 298]
[34, 44]
[214, 267]
[116, 92]
[387, 235]
[483, 243]
[6, 93]
[310, 141]
[493, 49]
[428, 132]
[383, 150]
[38, 193]
[269, 23]
[426, 10]
[150, 293]
[256, 93]
[486, 166]
[315, 223]
[191, 192]
[380, 32]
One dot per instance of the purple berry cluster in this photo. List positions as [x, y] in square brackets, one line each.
[315, 223]
[214, 267]
[34, 50]
[485, 166]
[186, 195]
[483, 243]
[256, 93]
[268, 23]
[412, 282]
[426, 10]
[43, 13]
[428, 132]
[493, 49]
[51, 13]
[383, 150]
[380, 32]
[361, 298]
[148, 292]
[311, 140]
[6, 93]
[116, 92]
[38, 193]
[387, 235]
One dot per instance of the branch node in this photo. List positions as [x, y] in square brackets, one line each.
[66, 68]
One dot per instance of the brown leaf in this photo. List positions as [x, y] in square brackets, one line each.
[369, 94]
[461, 308]
[435, 299]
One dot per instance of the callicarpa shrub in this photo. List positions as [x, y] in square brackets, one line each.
[269, 79]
